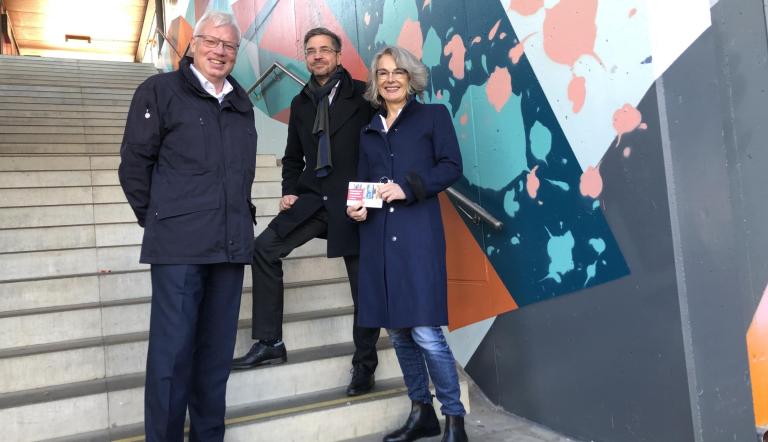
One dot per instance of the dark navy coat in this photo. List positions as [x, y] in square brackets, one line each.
[187, 166]
[349, 112]
[402, 280]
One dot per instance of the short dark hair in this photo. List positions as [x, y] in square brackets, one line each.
[323, 31]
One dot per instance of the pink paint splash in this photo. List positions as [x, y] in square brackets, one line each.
[517, 51]
[532, 183]
[411, 38]
[439, 94]
[502, 36]
[476, 40]
[626, 120]
[591, 183]
[494, 29]
[426, 3]
[577, 92]
[499, 88]
[526, 7]
[643, 126]
[627, 152]
[570, 31]
[367, 19]
[464, 118]
[455, 48]
[632, 12]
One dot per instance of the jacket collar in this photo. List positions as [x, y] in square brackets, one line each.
[237, 98]
[377, 126]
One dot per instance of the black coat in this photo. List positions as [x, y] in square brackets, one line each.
[349, 112]
[187, 165]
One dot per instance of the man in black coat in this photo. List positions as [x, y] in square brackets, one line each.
[320, 160]
[188, 159]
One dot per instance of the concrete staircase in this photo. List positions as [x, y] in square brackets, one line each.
[74, 301]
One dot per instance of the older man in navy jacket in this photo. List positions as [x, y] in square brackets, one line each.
[187, 163]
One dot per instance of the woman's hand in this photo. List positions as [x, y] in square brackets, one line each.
[391, 192]
[357, 212]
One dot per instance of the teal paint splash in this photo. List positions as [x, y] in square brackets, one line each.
[433, 47]
[511, 206]
[561, 184]
[507, 159]
[591, 272]
[598, 244]
[395, 12]
[560, 251]
[514, 240]
[489, 251]
[541, 141]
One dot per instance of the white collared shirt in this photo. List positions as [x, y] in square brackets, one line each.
[209, 87]
[384, 120]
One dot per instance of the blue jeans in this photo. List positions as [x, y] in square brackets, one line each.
[413, 347]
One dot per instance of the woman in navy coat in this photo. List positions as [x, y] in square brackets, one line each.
[412, 148]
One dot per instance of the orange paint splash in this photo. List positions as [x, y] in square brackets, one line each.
[757, 347]
[476, 40]
[577, 92]
[411, 38]
[643, 126]
[499, 88]
[494, 29]
[532, 183]
[526, 7]
[632, 12]
[570, 31]
[455, 48]
[517, 51]
[502, 36]
[591, 183]
[367, 19]
[627, 152]
[626, 120]
[464, 118]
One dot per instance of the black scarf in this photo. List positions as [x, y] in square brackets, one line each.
[319, 95]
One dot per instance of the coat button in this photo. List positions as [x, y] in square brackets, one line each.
[392, 155]
[325, 198]
[394, 238]
[231, 243]
[391, 209]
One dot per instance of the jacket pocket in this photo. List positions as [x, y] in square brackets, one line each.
[184, 207]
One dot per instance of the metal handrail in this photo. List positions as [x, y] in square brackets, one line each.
[165, 38]
[478, 213]
[275, 65]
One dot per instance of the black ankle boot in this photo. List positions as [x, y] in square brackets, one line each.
[454, 429]
[422, 422]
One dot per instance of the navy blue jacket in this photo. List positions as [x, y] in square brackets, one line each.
[187, 166]
[403, 280]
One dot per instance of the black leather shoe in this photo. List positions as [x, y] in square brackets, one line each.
[261, 354]
[454, 429]
[422, 422]
[362, 381]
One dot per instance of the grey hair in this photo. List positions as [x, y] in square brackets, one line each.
[417, 73]
[217, 18]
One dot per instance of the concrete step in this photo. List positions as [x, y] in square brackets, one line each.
[52, 295]
[43, 163]
[61, 138]
[58, 148]
[72, 73]
[69, 107]
[117, 354]
[66, 114]
[72, 262]
[59, 122]
[39, 130]
[5, 100]
[52, 90]
[63, 411]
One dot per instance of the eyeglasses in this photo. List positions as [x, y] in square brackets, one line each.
[397, 74]
[322, 50]
[213, 42]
